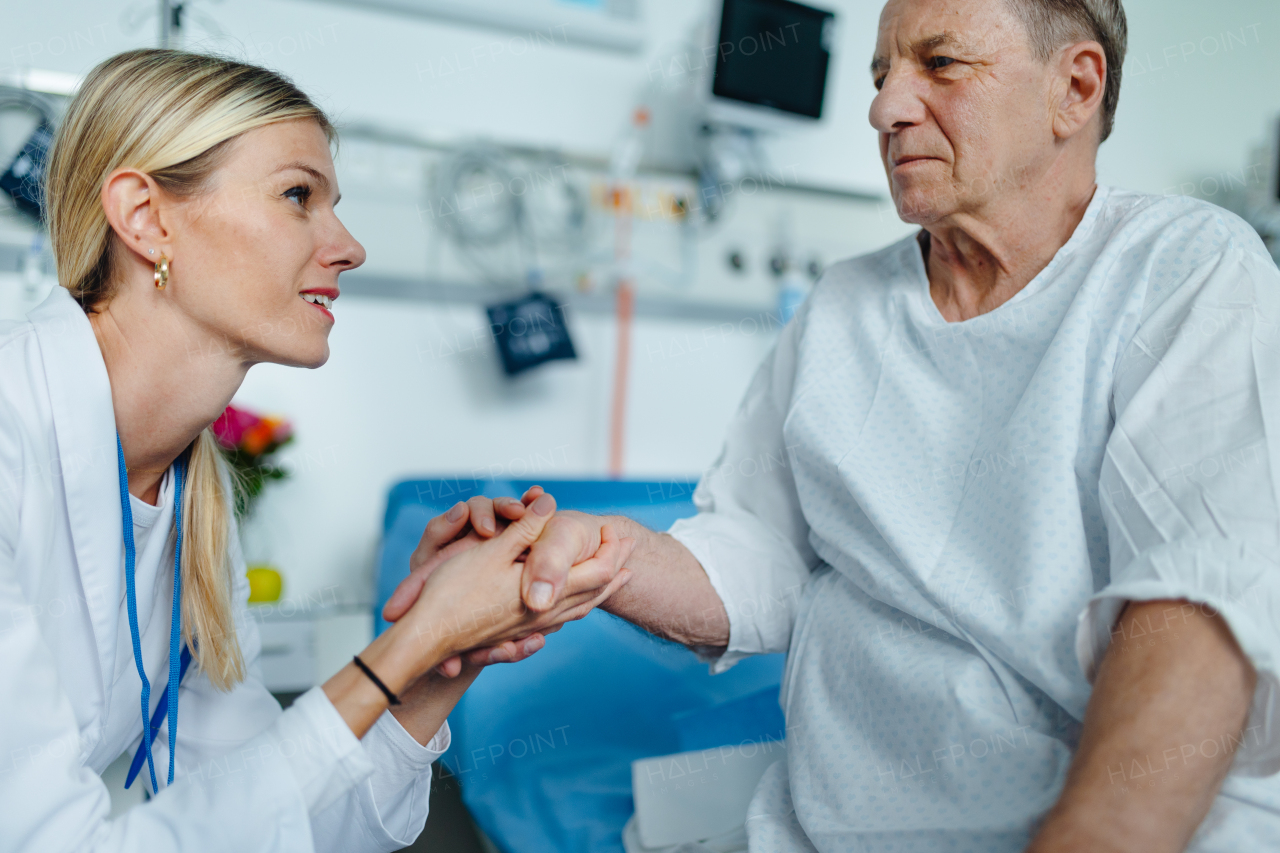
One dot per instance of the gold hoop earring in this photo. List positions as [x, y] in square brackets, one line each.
[162, 272]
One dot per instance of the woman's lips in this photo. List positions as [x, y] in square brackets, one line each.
[318, 297]
[322, 310]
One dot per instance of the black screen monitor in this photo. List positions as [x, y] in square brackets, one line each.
[774, 53]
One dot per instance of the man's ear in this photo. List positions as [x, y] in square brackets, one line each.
[1082, 75]
[132, 202]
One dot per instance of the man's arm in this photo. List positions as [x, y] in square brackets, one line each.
[1173, 689]
[669, 593]
[1165, 719]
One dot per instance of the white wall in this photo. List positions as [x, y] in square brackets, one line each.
[1200, 85]
[451, 80]
[1189, 109]
[389, 404]
[386, 407]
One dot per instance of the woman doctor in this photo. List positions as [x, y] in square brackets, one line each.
[191, 209]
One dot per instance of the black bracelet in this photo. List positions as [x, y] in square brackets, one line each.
[391, 697]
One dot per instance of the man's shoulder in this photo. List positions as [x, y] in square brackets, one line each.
[1178, 249]
[1177, 228]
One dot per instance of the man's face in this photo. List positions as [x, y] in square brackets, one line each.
[964, 106]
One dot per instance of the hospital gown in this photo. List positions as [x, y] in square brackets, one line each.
[939, 522]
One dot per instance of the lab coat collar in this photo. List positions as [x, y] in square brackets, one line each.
[85, 428]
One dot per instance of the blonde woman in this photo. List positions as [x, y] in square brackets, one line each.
[191, 209]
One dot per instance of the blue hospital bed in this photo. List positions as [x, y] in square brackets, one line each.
[543, 749]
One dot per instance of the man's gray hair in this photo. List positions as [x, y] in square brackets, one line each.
[1053, 24]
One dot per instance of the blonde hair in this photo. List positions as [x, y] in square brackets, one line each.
[172, 115]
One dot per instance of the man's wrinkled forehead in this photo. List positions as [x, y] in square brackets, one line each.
[964, 28]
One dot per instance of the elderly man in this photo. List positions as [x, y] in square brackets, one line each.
[1022, 549]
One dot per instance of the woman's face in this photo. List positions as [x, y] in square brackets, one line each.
[256, 254]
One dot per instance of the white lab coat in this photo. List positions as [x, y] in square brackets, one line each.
[248, 776]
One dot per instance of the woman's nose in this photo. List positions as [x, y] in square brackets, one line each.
[347, 252]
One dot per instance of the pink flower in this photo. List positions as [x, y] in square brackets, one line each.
[231, 426]
[248, 433]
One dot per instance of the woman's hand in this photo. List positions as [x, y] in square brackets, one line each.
[460, 529]
[473, 599]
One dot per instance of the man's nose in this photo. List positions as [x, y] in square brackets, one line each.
[897, 105]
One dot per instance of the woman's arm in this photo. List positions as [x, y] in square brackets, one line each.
[469, 601]
[426, 705]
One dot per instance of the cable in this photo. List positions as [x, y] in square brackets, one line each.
[472, 197]
[11, 97]
[22, 187]
[498, 215]
[726, 157]
[555, 207]
[471, 201]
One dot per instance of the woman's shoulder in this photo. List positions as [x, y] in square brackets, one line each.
[20, 361]
[15, 335]
[44, 351]
[25, 413]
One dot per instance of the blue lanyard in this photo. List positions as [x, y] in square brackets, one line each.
[177, 669]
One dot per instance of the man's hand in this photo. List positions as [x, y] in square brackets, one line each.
[462, 528]
[670, 594]
[473, 599]
[568, 539]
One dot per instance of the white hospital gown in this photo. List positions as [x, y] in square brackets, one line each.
[940, 521]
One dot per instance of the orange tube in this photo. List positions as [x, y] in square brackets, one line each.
[626, 298]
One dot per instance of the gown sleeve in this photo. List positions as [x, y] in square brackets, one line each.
[750, 534]
[1190, 473]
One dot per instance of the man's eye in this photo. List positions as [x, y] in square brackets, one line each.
[300, 194]
[879, 83]
[938, 62]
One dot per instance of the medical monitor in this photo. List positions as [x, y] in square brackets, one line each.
[771, 63]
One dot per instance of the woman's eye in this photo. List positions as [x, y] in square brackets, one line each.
[938, 62]
[300, 194]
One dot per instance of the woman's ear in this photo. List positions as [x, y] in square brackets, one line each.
[132, 202]
[1083, 75]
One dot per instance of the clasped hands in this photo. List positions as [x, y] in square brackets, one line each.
[508, 572]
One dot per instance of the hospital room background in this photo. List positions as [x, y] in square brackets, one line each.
[580, 247]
